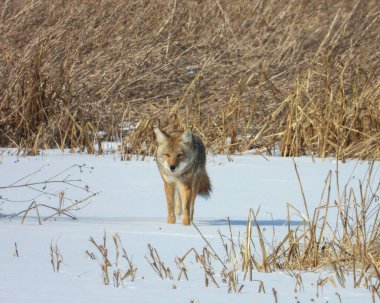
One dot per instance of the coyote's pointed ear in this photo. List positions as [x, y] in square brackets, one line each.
[161, 137]
[187, 137]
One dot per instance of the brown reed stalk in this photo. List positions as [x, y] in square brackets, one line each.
[157, 264]
[55, 257]
[299, 77]
[113, 269]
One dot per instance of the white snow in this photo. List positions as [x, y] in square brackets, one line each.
[130, 202]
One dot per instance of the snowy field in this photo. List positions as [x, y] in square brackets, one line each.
[130, 202]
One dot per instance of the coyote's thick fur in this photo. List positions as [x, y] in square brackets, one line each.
[181, 159]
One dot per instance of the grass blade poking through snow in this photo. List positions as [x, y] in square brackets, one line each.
[157, 264]
[119, 274]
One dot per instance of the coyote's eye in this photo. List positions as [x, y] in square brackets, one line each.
[167, 155]
[179, 155]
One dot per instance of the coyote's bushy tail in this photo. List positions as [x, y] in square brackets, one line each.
[204, 186]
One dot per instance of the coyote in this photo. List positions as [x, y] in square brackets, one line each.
[181, 159]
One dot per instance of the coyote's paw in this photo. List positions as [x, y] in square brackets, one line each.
[185, 220]
[171, 219]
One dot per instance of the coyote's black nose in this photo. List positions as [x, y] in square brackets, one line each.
[172, 167]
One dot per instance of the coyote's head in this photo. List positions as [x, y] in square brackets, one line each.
[174, 151]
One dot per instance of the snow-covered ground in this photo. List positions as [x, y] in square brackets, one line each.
[130, 202]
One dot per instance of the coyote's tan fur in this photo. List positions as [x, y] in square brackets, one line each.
[181, 159]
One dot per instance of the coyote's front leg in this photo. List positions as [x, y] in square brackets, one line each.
[169, 192]
[186, 196]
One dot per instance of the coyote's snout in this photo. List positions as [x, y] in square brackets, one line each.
[181, 159]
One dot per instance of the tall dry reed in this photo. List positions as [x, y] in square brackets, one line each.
[301, 75]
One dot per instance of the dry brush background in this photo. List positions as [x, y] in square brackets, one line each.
[303, 76]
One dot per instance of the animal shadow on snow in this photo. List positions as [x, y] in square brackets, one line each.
[278, 222]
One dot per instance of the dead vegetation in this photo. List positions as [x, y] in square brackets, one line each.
[59, 195]
[349, 245]
[344, 247]
[302, 76]
[113, 272]
[55, 257]
[157, 264]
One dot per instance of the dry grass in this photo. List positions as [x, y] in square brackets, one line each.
[339, 239]
[121, 272]
[157, 264]
[55, 257]
[242, 74]
[55, 196]
[351, 244]
[348, 246]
